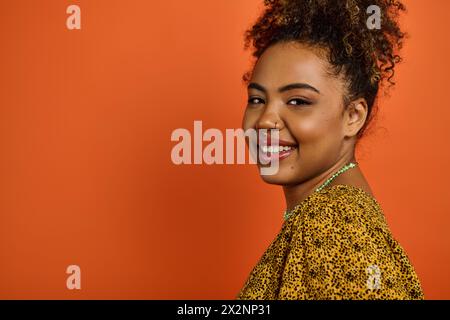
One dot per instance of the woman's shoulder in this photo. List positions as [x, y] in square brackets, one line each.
[341, 202]
[339, 193]
[345, 192]
[341, 236]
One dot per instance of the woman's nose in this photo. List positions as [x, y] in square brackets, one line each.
[269, 122]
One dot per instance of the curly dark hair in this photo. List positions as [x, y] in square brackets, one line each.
[366, 56]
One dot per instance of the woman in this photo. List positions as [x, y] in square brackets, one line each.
[319, 66]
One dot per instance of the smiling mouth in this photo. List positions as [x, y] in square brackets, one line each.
[268, 153]
[271, 149]
[276, 149]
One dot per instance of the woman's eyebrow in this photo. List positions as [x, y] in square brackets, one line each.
[254, 85]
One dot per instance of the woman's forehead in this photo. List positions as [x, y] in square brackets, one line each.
[286, 63]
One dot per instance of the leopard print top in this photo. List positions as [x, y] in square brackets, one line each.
[335, 245]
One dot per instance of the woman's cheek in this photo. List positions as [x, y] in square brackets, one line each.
[306, 130]
[313, 127]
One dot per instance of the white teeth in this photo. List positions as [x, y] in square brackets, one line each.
[275, 149]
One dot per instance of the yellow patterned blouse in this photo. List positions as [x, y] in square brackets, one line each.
[335, 245]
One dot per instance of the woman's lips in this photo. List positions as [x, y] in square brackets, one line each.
[270, 149]
[270, 153]
[281, 142]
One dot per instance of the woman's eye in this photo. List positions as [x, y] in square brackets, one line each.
[298, 101]
[255, 101]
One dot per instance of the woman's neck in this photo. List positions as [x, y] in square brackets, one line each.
[354, 176]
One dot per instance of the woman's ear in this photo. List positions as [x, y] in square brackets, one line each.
[355, 116]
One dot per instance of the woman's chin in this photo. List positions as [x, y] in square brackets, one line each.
[278, 178]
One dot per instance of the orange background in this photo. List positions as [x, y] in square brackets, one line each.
[86, 175]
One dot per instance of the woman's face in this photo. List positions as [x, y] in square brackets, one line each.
[290, 86]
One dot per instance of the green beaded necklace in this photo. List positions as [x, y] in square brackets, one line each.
[288, 214]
